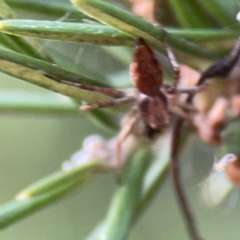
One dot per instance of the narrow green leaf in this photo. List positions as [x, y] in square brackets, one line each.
[220, 12]
[7, 41]
[119, 218]
[25, 47]
[38, 72]
[58, 179]
[190, 14]
[18, 209]
[154, 178]
[5, 11]
[53, 10]
[121, 54]
[155, 175]
[16, 43]
[50, 103]
[19, 45]
[230, 6]
[25, 101]
[66, 31]
[46, 191]
[137, 27]
[204, 34]
[98, 33]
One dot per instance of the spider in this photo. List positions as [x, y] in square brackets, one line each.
[156, 103]
[153, 101]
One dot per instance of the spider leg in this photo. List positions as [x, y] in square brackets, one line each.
[124, 133]
[191, 89]
[182, 105]
[175, 65]
[169, 89]
[177, 111]
[108, 91]
[112, 103]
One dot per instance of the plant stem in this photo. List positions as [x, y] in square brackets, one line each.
[178, 186]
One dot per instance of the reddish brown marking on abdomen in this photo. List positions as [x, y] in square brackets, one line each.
[145, 70]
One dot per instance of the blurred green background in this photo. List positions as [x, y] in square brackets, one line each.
[34, 144]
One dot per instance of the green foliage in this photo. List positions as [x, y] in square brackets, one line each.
[200, 24]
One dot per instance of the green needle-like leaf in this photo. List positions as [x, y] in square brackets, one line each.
[58, 179]
[25, 101]
[18, 209]
[38, 72]
[16, 43]
[121, 212]
[190, 14]
[155, 175]
[204, 34]
[9, 42]
[5, 11]
[45, 191]
[220, 13]
[66, 31]
[140, 183]
[53, 10]
[23, 46]
[154, 178]
[137, 27]
[98, 33]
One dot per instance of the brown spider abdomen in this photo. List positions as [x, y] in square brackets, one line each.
[145, 70]
[154, 112]
[233, 171]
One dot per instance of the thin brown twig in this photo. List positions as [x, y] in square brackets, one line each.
[177, 184]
